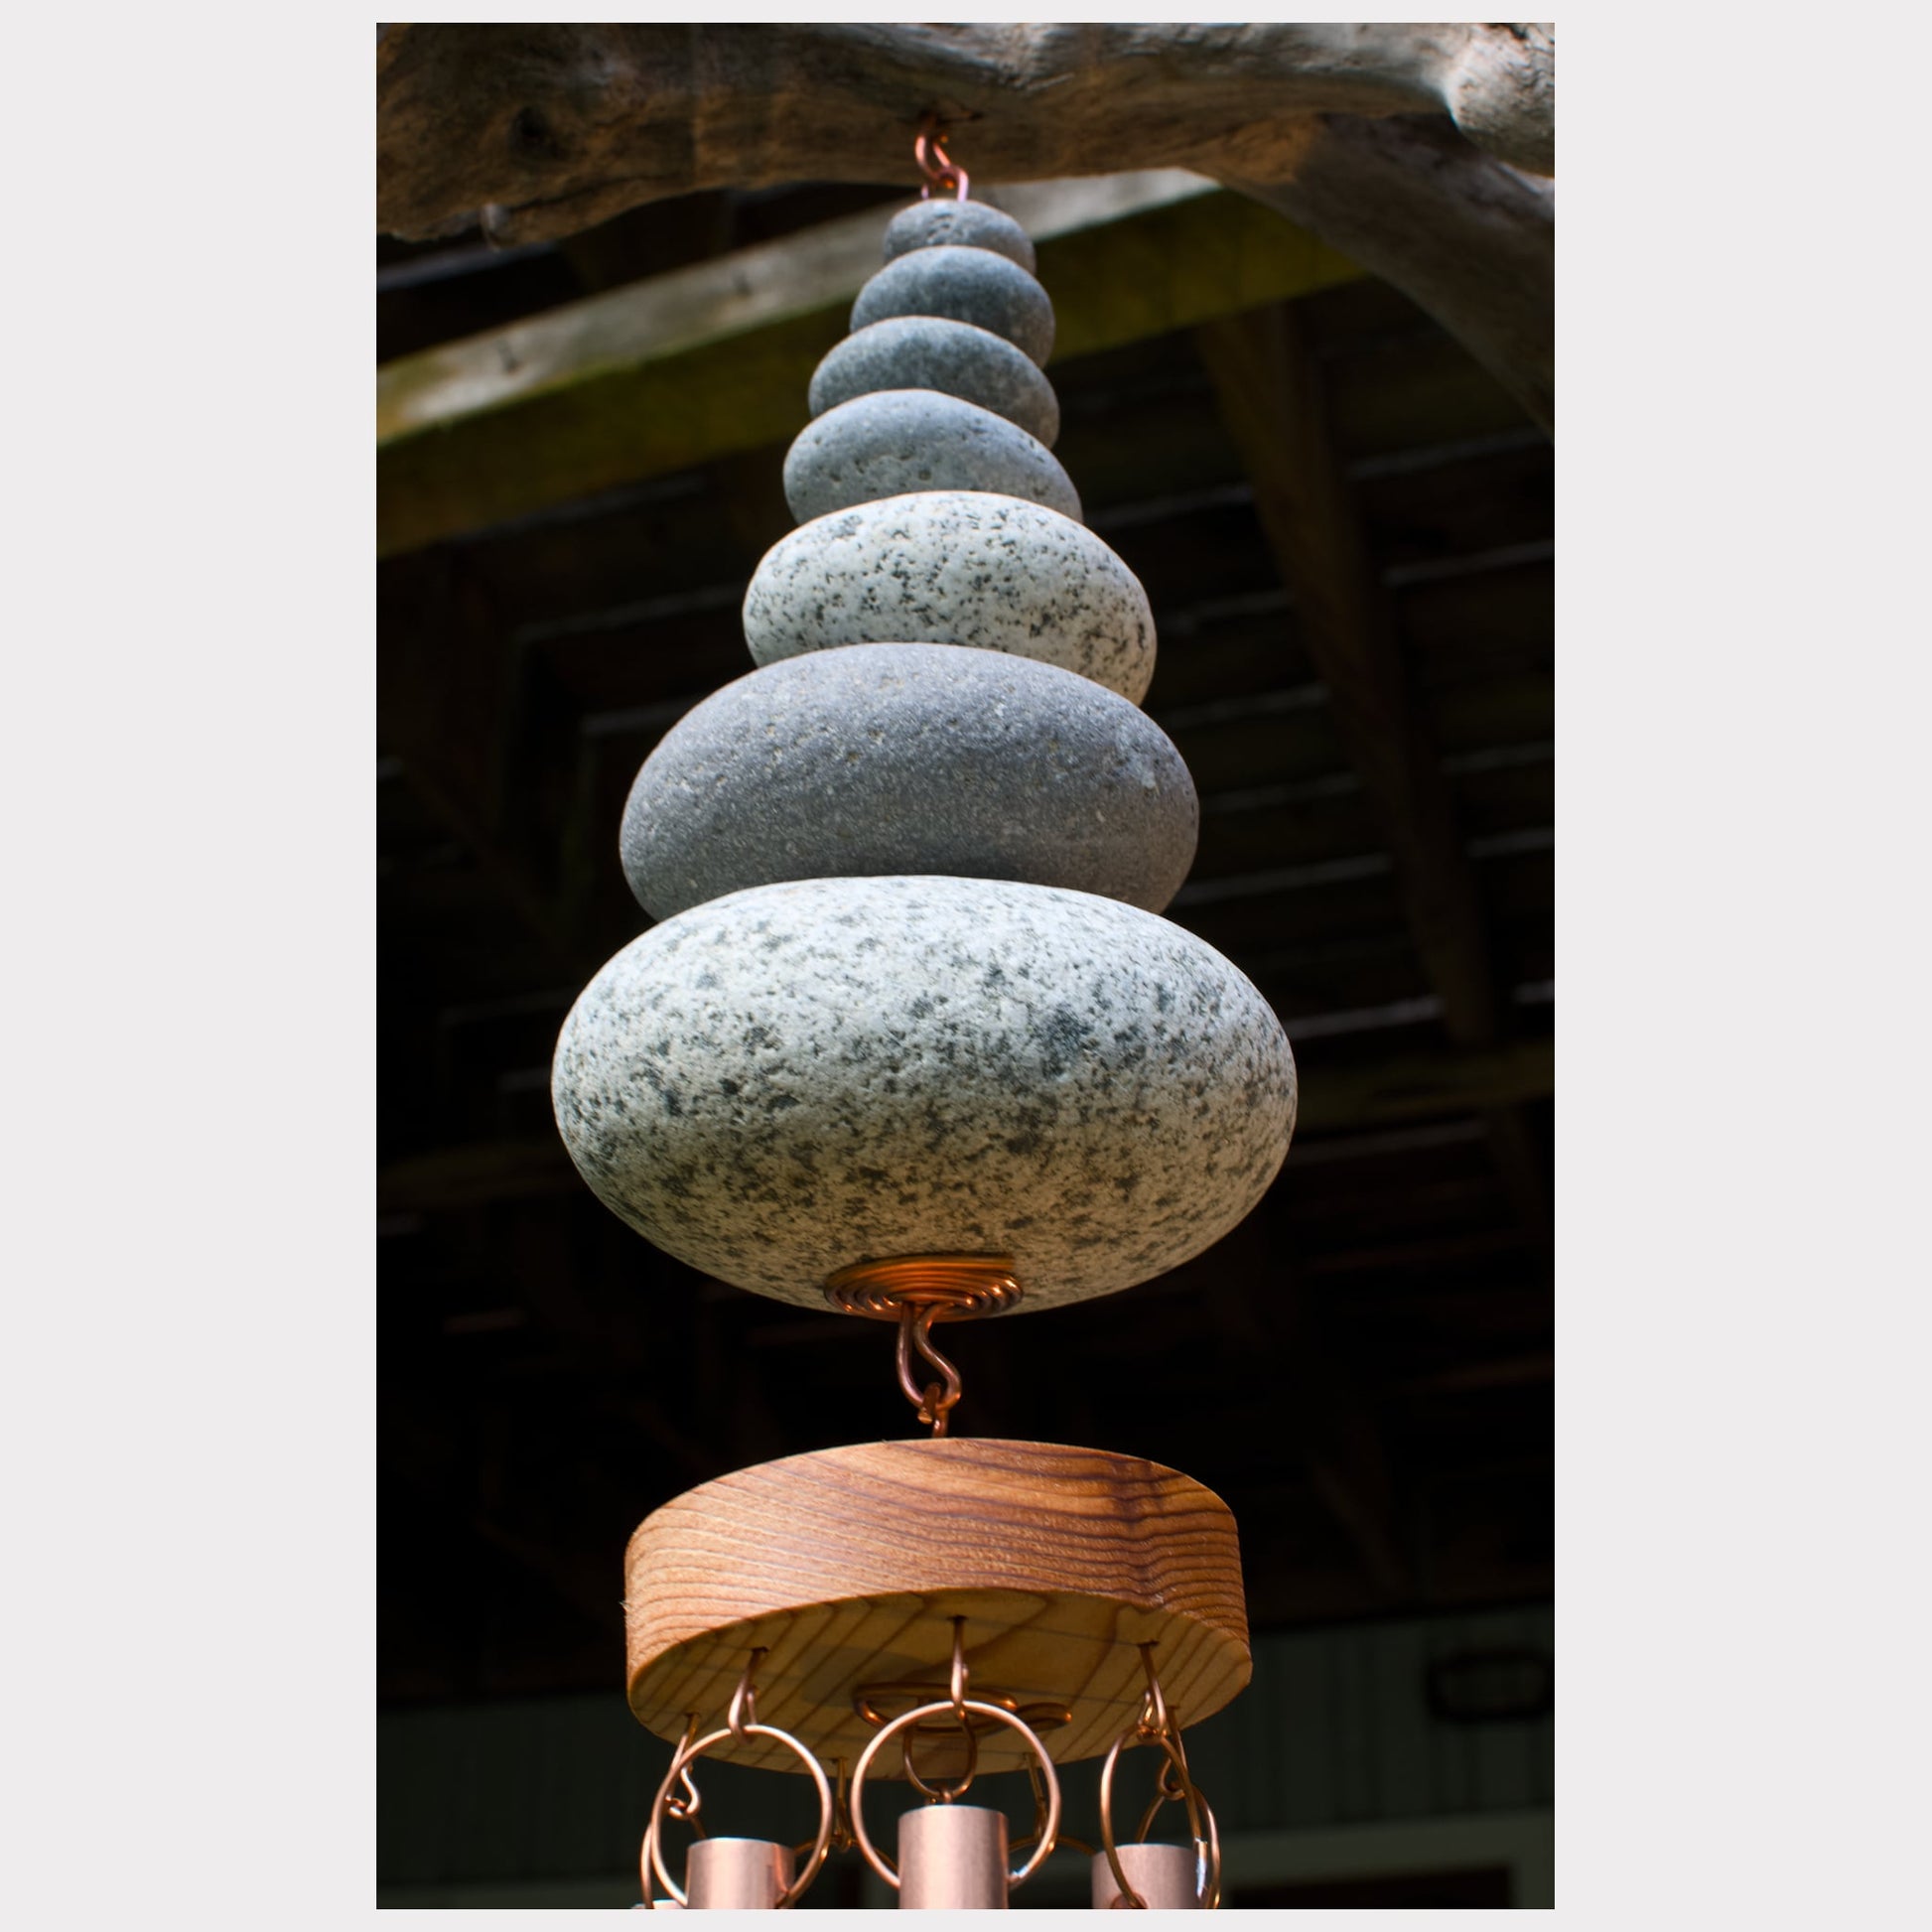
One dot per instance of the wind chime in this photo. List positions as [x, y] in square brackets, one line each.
[910, 1041]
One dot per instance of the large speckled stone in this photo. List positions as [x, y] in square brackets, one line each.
[947, 223]
[900, 440]
[910, 759]
[969, 285]
[927, 353]
[778, 1083]
[956, 567]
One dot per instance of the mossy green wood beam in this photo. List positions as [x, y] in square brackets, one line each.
[714, 360]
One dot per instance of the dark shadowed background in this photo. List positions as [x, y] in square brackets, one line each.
[1362, 1370]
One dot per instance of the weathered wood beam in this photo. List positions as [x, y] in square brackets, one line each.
[1416, 1086]
[715, 359]
[1403, 146]
[1471, 241]
[1271, 398]
[541, 130]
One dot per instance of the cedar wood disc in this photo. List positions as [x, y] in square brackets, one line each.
[846, 1565]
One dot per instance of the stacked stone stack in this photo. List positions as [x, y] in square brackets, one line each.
[911, 993]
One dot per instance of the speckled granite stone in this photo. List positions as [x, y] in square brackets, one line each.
[969, 285]
[780, 1082]
[896, 441]
[956, 567]
[928, 352]
[910, 759]
[941, 223]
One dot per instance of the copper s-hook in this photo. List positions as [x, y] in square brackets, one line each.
[916, 1291]
[945, 171]
[745, 1700]
[937, 1401]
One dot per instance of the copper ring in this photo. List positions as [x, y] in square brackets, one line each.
[1201, 1821]
[883, 1866]
[683, 1759]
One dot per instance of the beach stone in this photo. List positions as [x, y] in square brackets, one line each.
[969, 285]
[900, 440]
[956, 567]
[954, 357]
[924, 759]
[967, 224]
[783, 1081]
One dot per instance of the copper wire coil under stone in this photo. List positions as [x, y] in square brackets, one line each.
[954, 357]
[963, 1286]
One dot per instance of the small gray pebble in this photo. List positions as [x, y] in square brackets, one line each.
[954, 357]
[924, 759]
[956, 567]
[968, 285]
[941, 223]
[900, 440]
[783, 1081]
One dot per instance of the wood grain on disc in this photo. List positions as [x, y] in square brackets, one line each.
[847, 1565]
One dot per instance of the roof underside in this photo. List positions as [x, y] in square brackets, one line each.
[1362, 1370]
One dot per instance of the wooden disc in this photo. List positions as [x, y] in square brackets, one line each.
[847, 1565]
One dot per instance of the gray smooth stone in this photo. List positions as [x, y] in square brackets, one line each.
[897, 441]
[942, 222]
[781, 1082]
[954, 357]
[967, 284]
[923, 758]
[956, 567]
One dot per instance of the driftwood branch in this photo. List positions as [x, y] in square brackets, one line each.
[1465, 236]
[556, 127]
[1414, 148]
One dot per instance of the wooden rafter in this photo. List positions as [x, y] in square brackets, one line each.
[1271, 394]
[549, 129]
[714, 360]
[1270, 398]
[1420, 149]
[456, 709]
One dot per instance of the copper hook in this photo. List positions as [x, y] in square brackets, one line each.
[745, 1700]
[948, 173]
[935, 1401]
[1153, 1705]
[687, 1807]
[956, 1680]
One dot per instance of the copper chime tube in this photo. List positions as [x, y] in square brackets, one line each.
[722, 1874]
[1168, 1876]
[952, 1857]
